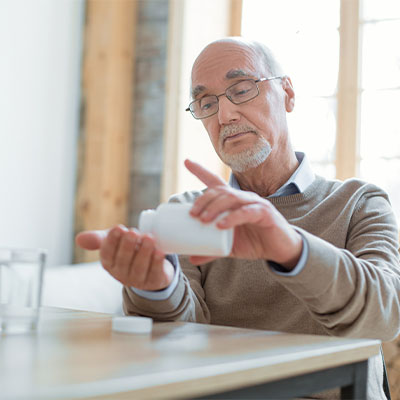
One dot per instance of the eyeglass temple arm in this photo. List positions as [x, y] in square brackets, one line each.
[270, 79]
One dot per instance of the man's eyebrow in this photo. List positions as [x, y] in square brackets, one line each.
[237, 73]
[232, 74]
[197, 90]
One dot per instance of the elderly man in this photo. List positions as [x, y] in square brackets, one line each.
[309, 255]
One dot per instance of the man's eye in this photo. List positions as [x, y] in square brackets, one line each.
[206, 104]
[241, 92]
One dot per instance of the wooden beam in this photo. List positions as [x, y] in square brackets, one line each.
[107, 93]
[236, 18]
[347, 143]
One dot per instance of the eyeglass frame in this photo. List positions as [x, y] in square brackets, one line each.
[229, 98]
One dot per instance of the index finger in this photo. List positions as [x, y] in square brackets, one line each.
[206, 176]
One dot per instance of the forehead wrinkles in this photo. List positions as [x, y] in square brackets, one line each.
[212, 66]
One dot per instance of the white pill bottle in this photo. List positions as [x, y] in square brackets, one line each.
[176, 231]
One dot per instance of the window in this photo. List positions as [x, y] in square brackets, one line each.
[380, 97]
[308, 49]
[304, 35]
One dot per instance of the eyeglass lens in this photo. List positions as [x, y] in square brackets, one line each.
[238, 93]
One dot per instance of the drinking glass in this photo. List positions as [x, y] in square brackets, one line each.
[21, 277]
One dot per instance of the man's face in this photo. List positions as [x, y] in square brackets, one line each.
[243, 135]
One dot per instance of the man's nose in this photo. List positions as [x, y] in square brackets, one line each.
[228, 112]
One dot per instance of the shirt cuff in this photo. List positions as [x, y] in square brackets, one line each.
[278, 269]
[164, 293]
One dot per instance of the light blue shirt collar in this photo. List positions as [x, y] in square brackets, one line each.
[297, 183]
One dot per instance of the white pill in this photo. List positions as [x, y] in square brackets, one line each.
[132, 324]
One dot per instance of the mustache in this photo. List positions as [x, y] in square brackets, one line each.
[229, 130]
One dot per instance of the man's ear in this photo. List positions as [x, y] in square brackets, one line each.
[289, 96]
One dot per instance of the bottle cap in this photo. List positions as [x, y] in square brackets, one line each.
[146, 221]
[132, 324]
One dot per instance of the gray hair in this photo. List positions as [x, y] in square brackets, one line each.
[268, 58]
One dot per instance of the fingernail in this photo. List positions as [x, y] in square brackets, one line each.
[194, 209]
[222, 222]
[204, 215]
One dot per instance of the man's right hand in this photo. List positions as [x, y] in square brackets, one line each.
[130, 257]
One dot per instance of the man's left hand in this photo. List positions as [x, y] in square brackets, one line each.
[260, 231]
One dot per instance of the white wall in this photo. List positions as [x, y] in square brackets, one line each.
[41, 43]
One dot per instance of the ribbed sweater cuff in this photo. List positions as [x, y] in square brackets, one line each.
[155, 308]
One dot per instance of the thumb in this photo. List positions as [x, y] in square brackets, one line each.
[90, 240]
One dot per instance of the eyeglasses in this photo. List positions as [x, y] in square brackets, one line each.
[238, 93]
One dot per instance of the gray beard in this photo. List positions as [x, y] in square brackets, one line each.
[247, 159]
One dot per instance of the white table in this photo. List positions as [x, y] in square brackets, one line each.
[75, 354]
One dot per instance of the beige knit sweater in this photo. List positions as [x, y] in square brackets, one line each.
[349, 286]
